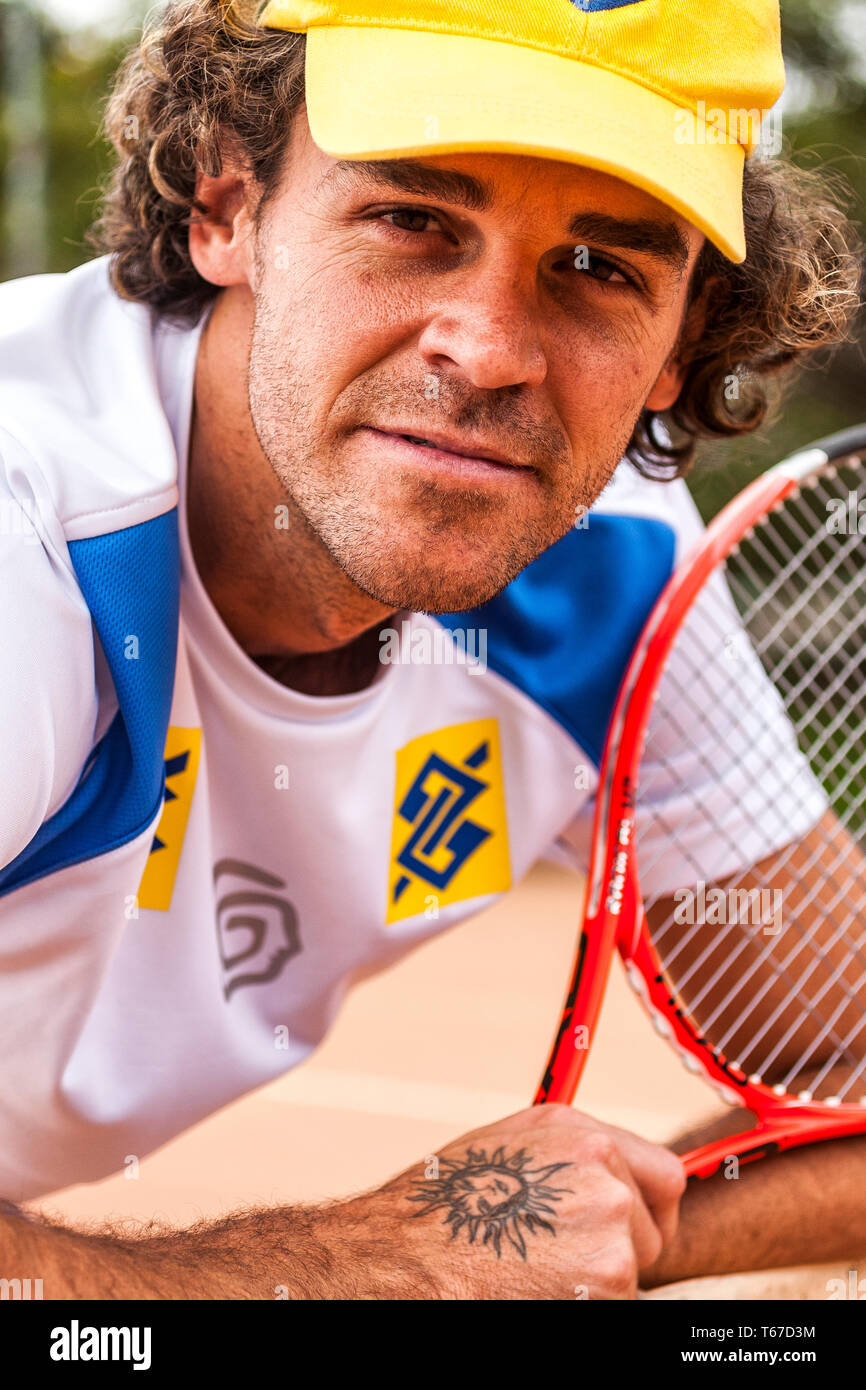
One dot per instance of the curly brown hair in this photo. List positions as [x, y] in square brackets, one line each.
[205, 80]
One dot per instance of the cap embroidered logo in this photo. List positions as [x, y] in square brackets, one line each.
[591, 5]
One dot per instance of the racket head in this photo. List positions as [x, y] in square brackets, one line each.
[776, 518]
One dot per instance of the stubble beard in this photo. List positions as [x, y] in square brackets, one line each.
[445, 550]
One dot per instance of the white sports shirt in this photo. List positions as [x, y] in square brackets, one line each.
[195, 861]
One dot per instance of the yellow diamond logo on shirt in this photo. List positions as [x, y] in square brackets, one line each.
[449, 840]
[182, 750]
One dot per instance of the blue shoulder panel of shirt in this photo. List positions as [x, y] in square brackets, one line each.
[563, 631]
[130, 580]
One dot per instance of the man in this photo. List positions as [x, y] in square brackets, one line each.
[387, 301]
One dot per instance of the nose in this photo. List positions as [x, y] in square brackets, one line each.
[488, 328]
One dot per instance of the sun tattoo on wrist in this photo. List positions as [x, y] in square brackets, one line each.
[502, 1196]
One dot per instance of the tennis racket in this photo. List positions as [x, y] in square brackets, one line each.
[739, 737]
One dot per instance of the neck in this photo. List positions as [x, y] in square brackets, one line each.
[278, 591]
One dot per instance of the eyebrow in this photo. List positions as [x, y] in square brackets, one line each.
[409, 176]
[664, 240]
[647, 235]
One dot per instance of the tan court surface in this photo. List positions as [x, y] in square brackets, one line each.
[452, 1038]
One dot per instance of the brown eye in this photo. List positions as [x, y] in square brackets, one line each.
[409, 219]
[592, 266]
[604, 270]
[599, 268]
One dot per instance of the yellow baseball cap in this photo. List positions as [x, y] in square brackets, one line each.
[666, 94]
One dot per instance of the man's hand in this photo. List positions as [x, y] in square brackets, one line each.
[545, 1204]
[548, 1203]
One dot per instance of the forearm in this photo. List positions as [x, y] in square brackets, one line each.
[338, 1251]
[801, 1207]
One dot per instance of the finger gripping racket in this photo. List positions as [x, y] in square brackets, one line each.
[727, 865]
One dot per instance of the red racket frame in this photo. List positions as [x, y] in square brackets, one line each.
[614, 915]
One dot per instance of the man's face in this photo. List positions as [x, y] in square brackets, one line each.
[489, 304]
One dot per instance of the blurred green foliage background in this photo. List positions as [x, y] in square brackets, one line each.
[55, 73]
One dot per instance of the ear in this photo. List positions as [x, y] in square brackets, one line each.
[220, 245]
[668, 385]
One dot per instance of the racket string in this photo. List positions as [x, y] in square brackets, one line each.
[808, 636]
[795, 590]
[787, 614]
[795, 985]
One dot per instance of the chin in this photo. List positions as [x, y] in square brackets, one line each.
[431, 591]
[433, 564]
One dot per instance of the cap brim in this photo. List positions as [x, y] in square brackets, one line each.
[382, 93]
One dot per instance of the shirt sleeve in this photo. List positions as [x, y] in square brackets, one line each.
[48, 700]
